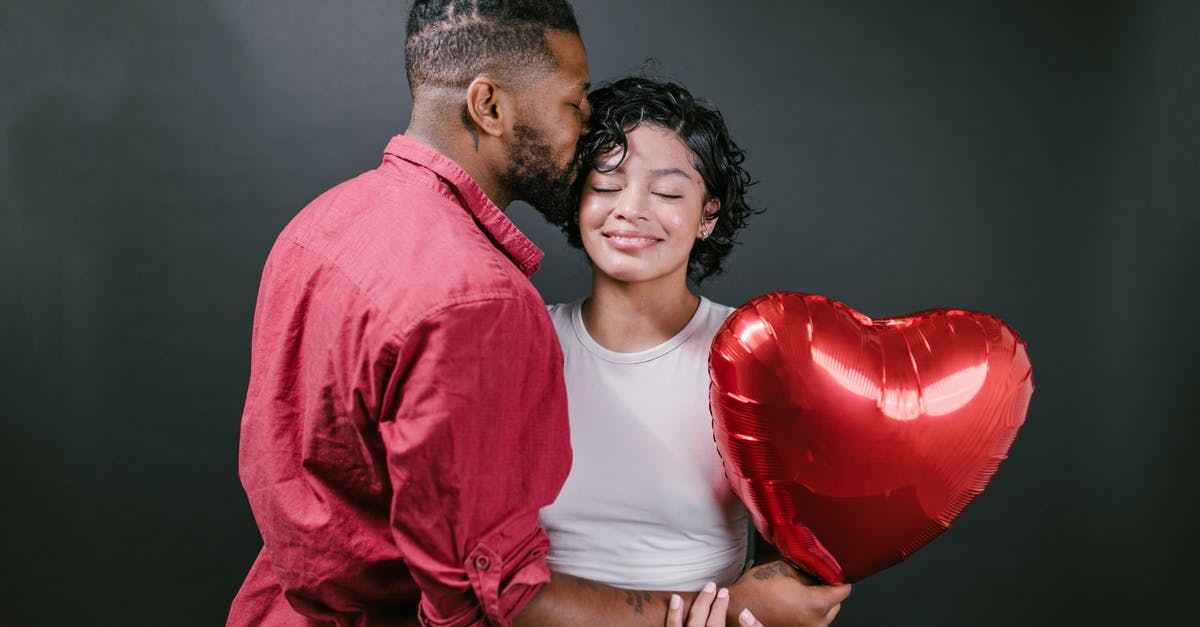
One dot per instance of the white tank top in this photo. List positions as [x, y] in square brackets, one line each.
[646, 505]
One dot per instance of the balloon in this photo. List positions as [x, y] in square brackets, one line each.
[854, 442]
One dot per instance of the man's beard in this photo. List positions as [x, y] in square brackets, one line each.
[533, 177]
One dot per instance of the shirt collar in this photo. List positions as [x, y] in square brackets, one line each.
[507, 237]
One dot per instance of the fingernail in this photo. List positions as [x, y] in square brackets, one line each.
[722, 593]
[676, 601]
[710, 587]
[746, 618]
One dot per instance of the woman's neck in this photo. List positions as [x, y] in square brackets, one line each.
[632, 317]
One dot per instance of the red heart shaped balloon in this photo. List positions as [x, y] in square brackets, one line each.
[854, 442]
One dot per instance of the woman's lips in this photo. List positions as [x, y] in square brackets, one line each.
[629, 240]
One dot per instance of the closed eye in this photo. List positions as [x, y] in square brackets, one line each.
[668, 196]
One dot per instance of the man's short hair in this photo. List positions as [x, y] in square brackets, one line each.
[450, 42]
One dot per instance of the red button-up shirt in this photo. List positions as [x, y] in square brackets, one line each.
[406, 415]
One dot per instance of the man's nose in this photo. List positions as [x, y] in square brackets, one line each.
[586, 126]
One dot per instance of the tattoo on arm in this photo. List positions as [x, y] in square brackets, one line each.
[466, 120]
[587, 584]
[635, 599]
[774, 569]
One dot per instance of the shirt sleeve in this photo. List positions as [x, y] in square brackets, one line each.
[476, 435]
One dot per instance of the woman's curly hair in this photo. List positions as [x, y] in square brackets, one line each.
[622, 106]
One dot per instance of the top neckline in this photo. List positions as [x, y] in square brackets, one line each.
[648, 354]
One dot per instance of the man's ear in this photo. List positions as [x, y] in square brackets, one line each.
[488, 106]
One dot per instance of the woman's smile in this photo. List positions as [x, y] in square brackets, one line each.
[629, 240]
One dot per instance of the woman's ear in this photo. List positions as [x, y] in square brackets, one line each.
[709, 221]
[487, 106]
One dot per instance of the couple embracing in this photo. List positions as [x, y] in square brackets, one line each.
[423, 442]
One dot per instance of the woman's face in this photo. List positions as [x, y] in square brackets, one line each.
[639, 222]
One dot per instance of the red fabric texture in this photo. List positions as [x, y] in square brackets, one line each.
[406, 416]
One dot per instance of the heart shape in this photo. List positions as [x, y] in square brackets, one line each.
[854, 442]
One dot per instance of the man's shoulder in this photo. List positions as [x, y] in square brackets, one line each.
[372, 206]
[408, 248]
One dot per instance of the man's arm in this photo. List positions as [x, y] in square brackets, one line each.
[476, 440]
[568, 600]
[776, 593]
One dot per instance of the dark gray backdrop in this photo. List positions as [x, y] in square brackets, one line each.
[1035, 160]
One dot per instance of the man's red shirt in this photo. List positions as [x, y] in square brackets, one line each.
[406, 416]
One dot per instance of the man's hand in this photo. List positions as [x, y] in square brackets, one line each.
[780, 595]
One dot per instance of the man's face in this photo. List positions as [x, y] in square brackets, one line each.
[551, 117]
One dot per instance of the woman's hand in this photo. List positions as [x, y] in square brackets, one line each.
[708, 610]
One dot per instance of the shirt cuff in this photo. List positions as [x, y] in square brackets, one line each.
[506, 569]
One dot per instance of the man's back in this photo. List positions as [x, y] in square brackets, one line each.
[399, 352]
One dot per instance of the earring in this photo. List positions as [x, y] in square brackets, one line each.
[704, 233]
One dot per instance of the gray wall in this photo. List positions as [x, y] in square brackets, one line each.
[1033, 160]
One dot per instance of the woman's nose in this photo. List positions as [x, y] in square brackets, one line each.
[631, 206]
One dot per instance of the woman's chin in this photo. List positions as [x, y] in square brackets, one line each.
[631, 275]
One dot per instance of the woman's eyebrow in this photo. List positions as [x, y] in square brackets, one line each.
[670, 172]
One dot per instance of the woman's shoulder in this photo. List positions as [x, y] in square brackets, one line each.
[562, 314]
[712, 315]
[718, 308]
[559, 308]
[715, 310]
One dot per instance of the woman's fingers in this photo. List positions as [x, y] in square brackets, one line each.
[716, 615]
[747, 619]
[698, 616]
[675, 612]
[708, 609]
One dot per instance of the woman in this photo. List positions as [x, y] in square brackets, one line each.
[660, 199]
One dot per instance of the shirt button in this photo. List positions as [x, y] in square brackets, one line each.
[482, 562]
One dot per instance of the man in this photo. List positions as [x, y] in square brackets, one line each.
[406, 414]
